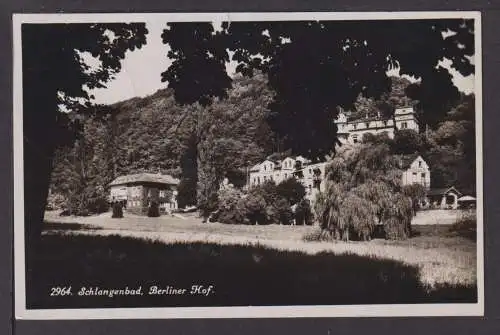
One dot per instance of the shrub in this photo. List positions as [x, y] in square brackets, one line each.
[256, 209]
[291, 190]
[363, 188]
[407, 141]
[55, 201]
[264, 204]
[186, 192]
[303, 213]
[416, 193]
[282, 213]
[466, 225]
[97, 205]
[153, 210]
[117, 211]
[237, 177]
[318, 235]
[231, 208]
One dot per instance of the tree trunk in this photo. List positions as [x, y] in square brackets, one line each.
[40, 134]
[38, 151]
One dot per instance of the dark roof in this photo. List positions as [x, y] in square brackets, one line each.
[406, 160]
[442, 191]
[145, 178]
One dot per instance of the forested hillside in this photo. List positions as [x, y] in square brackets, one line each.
[385, 105]
[203, 144]
[155, 134]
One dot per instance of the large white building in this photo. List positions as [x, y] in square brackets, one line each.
[352, 131]
[311, 175]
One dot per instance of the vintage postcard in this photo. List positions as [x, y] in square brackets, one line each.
[248, 165]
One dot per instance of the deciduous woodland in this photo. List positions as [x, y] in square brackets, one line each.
[205, 125]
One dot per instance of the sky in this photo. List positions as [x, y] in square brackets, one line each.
[141, 70]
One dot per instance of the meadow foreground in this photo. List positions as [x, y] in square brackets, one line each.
[441, 255]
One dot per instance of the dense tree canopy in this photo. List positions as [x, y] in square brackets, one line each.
[155, 134]
[216, 125]
[451, 148]
[385, 105]
[316, 66]
[55, 74]
[363, 189]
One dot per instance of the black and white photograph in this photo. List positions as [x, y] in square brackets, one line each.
[241, 165]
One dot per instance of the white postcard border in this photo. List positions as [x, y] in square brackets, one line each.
[406, 310]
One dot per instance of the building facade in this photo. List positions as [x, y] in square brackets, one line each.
[137, 191]
[352, 131]
[311, 175]
[415, 171]
[443, 198]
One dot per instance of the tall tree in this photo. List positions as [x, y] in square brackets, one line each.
[363, 188]
[54, 74]
[229, 134]
[315, 66]
[451, 148]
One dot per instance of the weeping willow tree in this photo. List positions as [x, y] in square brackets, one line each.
[363, 190]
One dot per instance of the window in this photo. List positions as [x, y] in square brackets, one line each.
[355, 138]
[367, 124]
[258, 180]
[385, 122]
[423, 175]
[354, 126]
[404, 125]
[420, 164]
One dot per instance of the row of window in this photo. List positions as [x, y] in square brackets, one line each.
[367, 124]
[257, 180]
[134, 203]
[404, 125]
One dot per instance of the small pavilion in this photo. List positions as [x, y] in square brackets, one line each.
[444, 198]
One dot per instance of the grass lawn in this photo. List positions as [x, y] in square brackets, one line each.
[249, 265]
[240, 275]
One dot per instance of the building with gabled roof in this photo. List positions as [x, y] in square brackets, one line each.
[415, 170]
[445, 198]
[137, 191]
